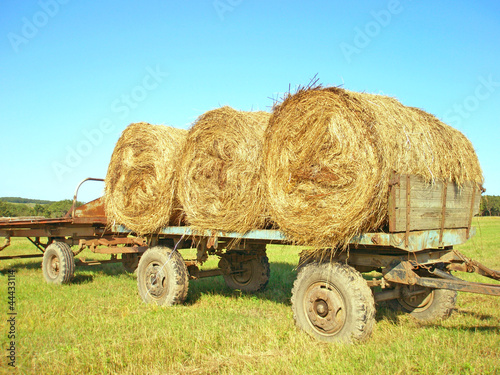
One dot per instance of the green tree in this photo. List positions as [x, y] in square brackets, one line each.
[4, 210]
[490, 205]
[58, 209]
[41, 210]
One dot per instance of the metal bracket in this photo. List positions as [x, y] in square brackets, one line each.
[401, 273]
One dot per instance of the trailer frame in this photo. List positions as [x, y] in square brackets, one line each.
[414, 266]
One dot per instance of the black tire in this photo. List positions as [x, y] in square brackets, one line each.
[333, 303]
[58, 263]
[162, 277]
[253, 278]
[130, 262]
[433, 305]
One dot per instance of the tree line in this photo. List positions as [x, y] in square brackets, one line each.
[54, 209]
[490, 205]
[25, 200]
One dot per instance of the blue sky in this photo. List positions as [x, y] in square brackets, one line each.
[73, 75]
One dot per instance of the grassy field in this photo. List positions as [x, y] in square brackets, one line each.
[98, 324]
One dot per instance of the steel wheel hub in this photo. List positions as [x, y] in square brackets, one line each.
[245, 275]
[416, 299]
[325, 308]
[156, 280]
[54, 266]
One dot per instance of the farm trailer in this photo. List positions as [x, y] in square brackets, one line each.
[85, 227]
[331, 300]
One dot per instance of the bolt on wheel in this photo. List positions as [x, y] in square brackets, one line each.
[162, 277]
[156, 280]
[333, 303]
[58, 263]
[325, 308]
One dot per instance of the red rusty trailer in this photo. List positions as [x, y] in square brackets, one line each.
[82, 227]
[331, 300]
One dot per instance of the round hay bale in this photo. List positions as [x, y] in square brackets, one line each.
[329, 155]
[219, 172]
[140, 187]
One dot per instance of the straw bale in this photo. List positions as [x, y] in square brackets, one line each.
[219, 179]
[329, 154]
[140, 186]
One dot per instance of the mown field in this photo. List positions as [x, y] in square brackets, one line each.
[98, 324]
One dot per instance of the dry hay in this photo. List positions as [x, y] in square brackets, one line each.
[140, 187]
[219, 179]
[329, 154]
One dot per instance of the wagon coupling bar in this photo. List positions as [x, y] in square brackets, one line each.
[470, 265]
[403, 273]
[73, 206]
[442, 274]
[459, 285]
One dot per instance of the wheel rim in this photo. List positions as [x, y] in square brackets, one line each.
[418, 302]
[325, 308]
[156, 280]
[245, 276]
[53, 267]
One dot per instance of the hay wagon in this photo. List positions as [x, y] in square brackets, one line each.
[408, 264]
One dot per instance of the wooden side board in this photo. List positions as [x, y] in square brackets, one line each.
[418, 205]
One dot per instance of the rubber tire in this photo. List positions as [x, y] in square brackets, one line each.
[130, 262]
[61, 253]
[352, 289]
[258, 279]
[173, 275]
[440, 307]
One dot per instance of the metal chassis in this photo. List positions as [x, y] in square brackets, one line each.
[415, 264]
[422, 258]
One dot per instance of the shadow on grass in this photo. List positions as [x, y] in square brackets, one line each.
[22, 264]
[279, 288]
[488, 329]
[81, 276]
[384, 312]
[476, 315]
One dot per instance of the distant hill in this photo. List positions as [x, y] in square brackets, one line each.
[13, 207]
[24, 200]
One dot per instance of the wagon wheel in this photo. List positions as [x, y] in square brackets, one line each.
[58, 263]
[428, 306]
[130, 262]
[333, 303]
[162, 277]
[250, 275]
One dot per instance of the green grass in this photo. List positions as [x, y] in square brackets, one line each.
[98, 324]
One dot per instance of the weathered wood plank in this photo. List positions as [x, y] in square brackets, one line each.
[426, 205]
